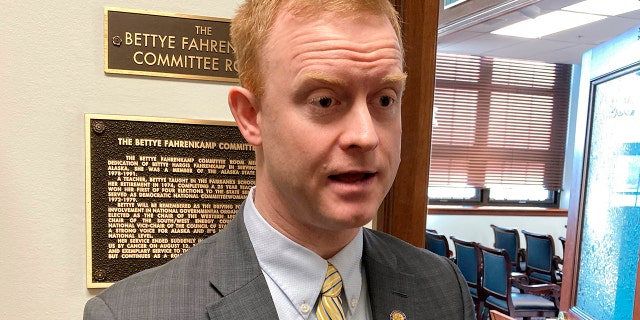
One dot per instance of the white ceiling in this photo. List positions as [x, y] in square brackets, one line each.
[562, 47]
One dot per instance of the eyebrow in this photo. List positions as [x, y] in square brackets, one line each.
[399, 78]
[323, 77]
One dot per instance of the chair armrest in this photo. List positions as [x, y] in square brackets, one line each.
[551, 291]
[557, 263]
[557, 260]
[519, 279]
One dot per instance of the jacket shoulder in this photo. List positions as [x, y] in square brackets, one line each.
[384, 246]
[432, 283]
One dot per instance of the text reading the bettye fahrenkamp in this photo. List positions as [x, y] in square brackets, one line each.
[166, 45]
[157, 187]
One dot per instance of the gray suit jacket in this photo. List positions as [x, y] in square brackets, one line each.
[220, 278]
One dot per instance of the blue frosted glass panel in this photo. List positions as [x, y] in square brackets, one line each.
[611, 226]
[450, 3]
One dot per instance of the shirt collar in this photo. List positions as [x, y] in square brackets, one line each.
[298, 271]
[348, 263]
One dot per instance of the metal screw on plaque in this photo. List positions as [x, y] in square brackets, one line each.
[100, 274]
[117, 41]
[98, 127]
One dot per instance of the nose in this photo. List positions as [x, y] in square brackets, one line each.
[359, 131]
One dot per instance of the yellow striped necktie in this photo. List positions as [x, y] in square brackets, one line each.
[330, 304]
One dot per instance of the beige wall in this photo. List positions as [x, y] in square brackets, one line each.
[51, 74]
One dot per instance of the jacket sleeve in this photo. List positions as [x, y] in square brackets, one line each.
[467, 302]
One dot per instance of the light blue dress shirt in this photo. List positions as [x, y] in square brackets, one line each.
[295, 274]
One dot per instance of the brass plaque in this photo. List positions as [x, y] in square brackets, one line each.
[168, 45]
[156, 186]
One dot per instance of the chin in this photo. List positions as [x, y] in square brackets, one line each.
[357, 219]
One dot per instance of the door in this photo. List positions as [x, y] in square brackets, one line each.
[603, 232]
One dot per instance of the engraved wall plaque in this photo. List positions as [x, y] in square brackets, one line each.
[156, 187]
[168, 45]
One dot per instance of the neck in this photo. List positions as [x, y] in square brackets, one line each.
[323, 241]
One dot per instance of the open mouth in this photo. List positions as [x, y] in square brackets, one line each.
[352, 177]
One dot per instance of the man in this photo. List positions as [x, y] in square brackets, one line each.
[321, 85]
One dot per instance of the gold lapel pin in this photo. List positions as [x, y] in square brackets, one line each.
[397, 315]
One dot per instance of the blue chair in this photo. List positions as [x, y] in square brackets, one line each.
[509, 240]
[469, 261]
[542, 262]
[497, 292]
[437, 243]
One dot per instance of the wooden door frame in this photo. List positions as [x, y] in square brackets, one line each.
[403, 211]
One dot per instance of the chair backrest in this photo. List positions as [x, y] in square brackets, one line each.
[496, 274]
[496, 315]
[507, 239]
[540, 256]
[468, 259]
[497, 289]
[437, 243]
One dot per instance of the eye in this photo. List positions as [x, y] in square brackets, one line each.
[385, 101]
[323, 102]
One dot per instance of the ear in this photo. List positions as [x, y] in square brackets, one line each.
[245, 109]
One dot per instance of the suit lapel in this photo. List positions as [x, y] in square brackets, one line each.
[251, 301]
[244, 293]
[388, 287]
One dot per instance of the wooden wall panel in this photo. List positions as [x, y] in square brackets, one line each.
[403, 212]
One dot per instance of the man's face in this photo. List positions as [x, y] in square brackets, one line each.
[329, 120]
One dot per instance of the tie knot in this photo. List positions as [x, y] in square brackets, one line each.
[332, 282]
[330, 304]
